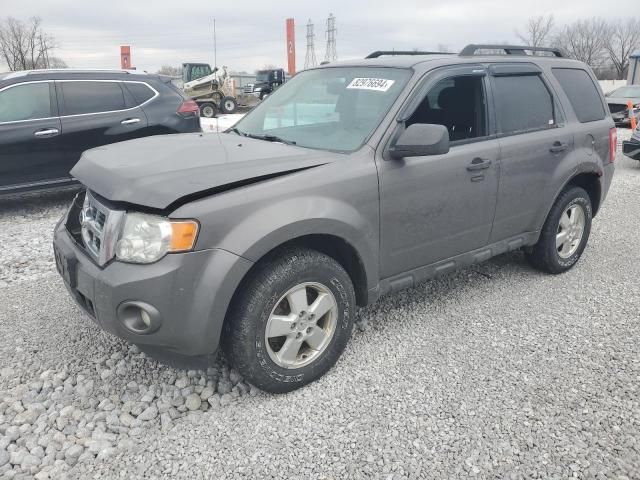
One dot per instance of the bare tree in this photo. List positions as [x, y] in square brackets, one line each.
[25, 46]
[170, 71]
[623, 38]
[585, 40]
[538, 31]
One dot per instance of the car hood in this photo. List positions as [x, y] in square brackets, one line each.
[622, 100]
[159, 171]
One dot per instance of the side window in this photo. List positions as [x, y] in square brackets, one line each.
[29, 101]
[583, 94]
[523, 104]
[458, 103]
[140, 92]
[92, 97]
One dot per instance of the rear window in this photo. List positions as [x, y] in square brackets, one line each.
[25, 102]
[582, 92]
[141, 92]
[523, 104]
[92, 97]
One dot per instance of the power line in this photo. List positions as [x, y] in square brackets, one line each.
[331, 54]
[310, 59]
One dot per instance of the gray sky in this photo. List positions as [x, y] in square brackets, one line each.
[252, 33]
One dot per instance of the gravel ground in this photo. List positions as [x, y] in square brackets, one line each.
[496, 371]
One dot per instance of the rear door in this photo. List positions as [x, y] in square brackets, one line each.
[29, 134]
[535, 146]
[96, 113]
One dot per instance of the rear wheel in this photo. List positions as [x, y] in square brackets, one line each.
[228, 105]
[291, 321]
[208, 110]
[565, 232]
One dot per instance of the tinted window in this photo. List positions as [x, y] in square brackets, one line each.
[523, 103]
[25, 102]
[140, 91]
[582, 93]
[92, 97]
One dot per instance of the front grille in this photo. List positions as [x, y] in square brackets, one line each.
[616, 108]
[99, 227]
[248, 88]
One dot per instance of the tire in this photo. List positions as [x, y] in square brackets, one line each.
[228, 105]
[546, 255]
[208, 110]
[252, 341]
[263, 95]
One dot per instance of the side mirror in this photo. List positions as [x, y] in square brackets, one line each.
[420, 140]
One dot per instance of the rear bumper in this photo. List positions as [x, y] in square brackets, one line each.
[631, 148]
[190, 292]
[605, 180]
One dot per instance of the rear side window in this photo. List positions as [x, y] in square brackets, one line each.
[523, 104]
[140, 91]
[92, 97]
[25, 102]
[582, 93]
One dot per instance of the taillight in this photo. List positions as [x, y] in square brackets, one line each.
[188, 107]
[613, 144]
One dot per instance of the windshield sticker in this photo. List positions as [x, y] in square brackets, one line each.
[376, 84]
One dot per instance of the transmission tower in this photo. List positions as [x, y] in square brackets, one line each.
[332, 53]
[310, 60]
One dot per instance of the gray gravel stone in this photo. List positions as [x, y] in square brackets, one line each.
[149, 413]
[193, 402]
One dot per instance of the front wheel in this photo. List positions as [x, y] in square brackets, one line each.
[565, 233]
[290, 322]
[229, 105]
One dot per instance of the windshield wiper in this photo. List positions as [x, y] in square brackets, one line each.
[236, 131]
[270, 138]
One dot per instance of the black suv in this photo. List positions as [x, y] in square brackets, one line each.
[48, 118]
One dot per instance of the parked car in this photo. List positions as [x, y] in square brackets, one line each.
[49, 117]
[618, 101]
[351, 181]
[631, 147]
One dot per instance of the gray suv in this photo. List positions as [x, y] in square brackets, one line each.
[353, 180]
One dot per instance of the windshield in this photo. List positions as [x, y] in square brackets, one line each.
[262, 77]
[328, 108]
[626, 92]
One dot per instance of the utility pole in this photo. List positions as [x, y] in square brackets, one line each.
[215, 46]
[331, 54]
[310, 59]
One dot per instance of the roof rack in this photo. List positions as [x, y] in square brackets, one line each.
[384, 53]
[22, 73]
[470, 50]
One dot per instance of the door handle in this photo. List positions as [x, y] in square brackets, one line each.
[558, 147]
[130, 121]
[479, 164]
[47, 132]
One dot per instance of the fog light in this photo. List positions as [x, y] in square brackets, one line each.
[139, 317]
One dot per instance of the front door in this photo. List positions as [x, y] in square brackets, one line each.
[29, 135]
[437, 207]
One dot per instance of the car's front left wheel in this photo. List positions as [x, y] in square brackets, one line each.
[290, 322]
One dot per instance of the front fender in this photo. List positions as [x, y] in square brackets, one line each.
[275, 224]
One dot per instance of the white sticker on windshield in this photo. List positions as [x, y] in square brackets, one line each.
[376, 84]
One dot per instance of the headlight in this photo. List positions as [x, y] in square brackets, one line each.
[257, 89]
[148, 238]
